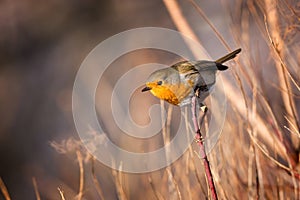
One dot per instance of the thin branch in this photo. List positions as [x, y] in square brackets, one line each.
[259, 176]
[4, 190]
[156, 193]
[277, 51]
[267, 154]
[292, 126]
[62, 196]
[203, 15]
[174, 183]
[203, 155]
[191, 152]
[291, 131]
[250, 170]
[95, 180]
[166, 139]
[182, 24]
[283, 90]
[281, 67]
[169, 119]
[36, 190]
[292, 9]
[81, 174]
[119, 187]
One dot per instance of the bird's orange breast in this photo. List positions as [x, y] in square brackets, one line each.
[173, 94]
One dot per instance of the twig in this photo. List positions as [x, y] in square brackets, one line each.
[95, 180]
[182, 25]
[192, 152]
[36, 190]
[292, 126]
[282, 71]
[203, 15]
[156, 193]
[259, 176]
[265, 152]
[4, 190]
[120, 190]
[291, 131]
[278, 52]
[203, 155]
[61, 193]
[169, 119]
[250, 171]
[174, 183]
[166, 139]
[81, 174]
[292, 9]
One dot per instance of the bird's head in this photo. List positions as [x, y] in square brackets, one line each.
[163, 84]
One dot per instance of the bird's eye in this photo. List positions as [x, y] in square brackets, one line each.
[159, 82]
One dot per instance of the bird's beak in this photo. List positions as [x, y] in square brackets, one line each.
[146, 89]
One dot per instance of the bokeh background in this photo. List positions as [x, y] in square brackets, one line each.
[42, 45]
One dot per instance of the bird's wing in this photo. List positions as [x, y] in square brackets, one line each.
[185, 67]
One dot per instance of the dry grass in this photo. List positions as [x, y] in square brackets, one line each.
[61, 193]
[36, 190]
[4, 190]
[257, 156]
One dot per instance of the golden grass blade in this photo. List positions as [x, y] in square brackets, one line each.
[81, 174]
[36, 190]
[182, 24]
[4, 190]
[95, 180]
[61, 193]
[272, 28]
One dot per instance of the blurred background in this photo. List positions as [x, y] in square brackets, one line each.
[42, 45]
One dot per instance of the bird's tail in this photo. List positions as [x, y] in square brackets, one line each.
[228, 56]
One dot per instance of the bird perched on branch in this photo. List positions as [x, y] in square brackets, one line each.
[180, 82]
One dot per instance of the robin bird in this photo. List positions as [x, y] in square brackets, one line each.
[180, 82]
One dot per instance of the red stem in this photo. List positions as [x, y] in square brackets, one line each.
[202, 152]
